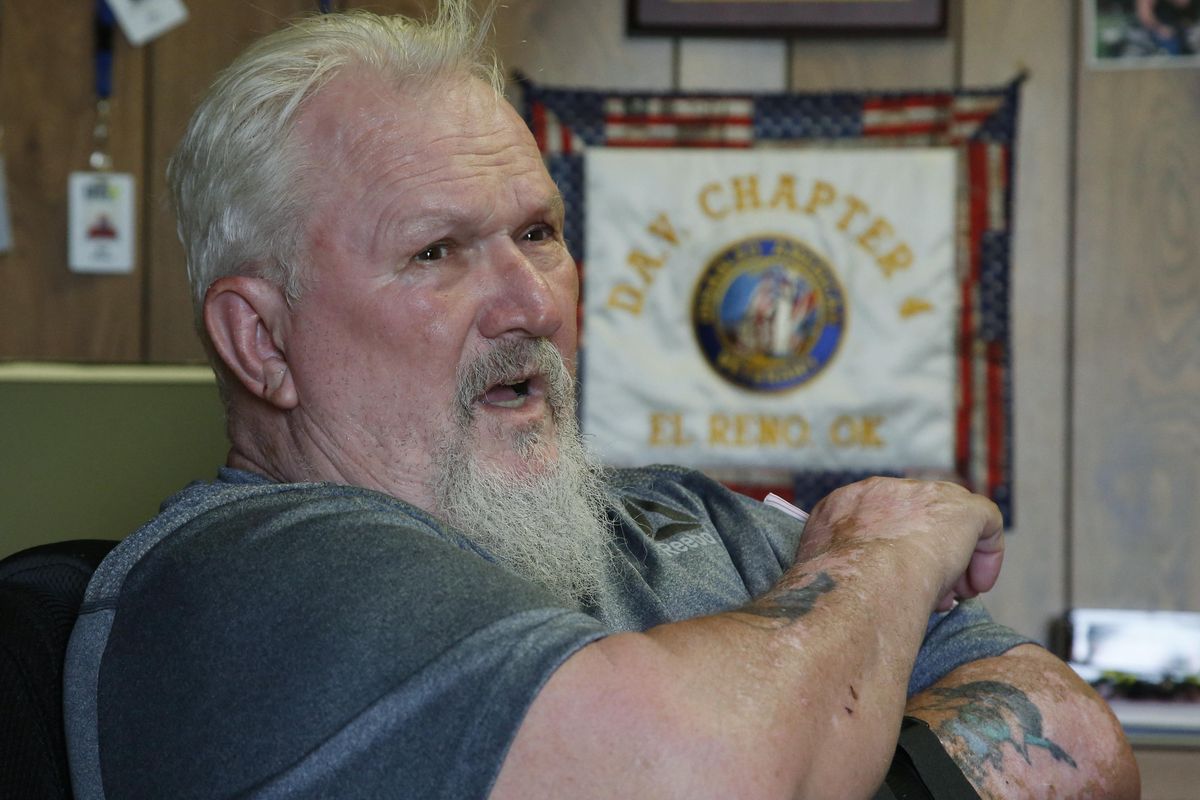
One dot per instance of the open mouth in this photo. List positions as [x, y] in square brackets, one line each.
[509, 394]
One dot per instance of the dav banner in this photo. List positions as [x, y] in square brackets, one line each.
[771, 308]
[792, 290]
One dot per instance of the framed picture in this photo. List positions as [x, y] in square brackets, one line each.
[788, 18]
[1128, 34]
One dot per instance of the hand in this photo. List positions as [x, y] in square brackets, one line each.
[960, 533]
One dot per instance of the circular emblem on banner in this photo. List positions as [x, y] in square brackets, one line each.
[769, 313]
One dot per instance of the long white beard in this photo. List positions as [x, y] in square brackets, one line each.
[547, 521]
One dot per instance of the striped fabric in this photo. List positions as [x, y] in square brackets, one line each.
[679, 122]
[952, 116]
[981, 123]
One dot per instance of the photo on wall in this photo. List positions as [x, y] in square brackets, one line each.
[1141, 34]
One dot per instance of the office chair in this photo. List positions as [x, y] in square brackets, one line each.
[41, 589]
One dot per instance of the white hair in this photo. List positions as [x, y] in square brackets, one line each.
[237, 178]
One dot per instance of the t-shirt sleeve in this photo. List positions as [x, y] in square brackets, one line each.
[329, 648]
[966, 633]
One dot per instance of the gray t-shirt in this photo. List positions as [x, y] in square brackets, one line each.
[314, 640]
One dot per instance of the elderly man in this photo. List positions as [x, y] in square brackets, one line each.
[410, 580]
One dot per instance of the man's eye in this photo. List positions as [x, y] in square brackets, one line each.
[435, 252]
[539, 233]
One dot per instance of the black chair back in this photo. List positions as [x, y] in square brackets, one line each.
[41, 589]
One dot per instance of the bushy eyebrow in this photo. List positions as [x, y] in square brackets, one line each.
[554, 205]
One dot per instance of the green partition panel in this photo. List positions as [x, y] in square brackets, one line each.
[91, 451]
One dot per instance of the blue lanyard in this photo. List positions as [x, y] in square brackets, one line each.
[325, 6]
[103, 27]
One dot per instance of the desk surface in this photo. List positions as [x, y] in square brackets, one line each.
[1169, 774]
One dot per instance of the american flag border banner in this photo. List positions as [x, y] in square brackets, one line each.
[979, 123]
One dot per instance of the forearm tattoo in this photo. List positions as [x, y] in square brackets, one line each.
[985, 719]
[784, 606]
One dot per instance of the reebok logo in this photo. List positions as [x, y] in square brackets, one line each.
[681, 544]
[672, 530]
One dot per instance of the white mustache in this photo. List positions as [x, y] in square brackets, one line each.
[512, 360]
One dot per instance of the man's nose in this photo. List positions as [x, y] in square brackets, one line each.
[521, 297]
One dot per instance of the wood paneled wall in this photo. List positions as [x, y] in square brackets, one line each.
[1106, 307]
[1135, 376]
[47, 109]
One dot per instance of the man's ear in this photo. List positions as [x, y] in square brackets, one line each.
[246, 319]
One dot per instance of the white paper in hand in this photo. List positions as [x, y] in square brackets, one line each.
[775, 501]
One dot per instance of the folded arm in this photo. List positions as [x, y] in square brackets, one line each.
[1024, 725]
[799, 694]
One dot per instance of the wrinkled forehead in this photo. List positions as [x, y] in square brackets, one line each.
[388, 151]
[360, 112]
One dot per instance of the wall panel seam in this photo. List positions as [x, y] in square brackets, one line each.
[1068, 409]
[146, 215]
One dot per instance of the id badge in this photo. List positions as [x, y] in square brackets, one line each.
[5, 219]
[100, 222]
[143, 20]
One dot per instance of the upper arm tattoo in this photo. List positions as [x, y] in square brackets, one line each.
[981, 720]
